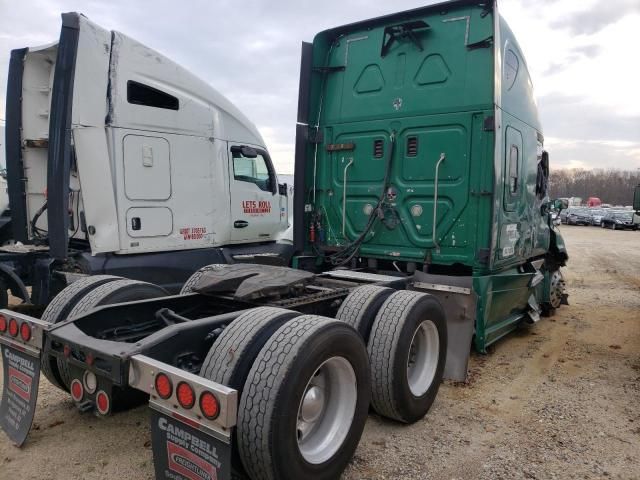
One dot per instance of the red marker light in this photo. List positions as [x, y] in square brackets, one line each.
[66, 351]
[102, 403]
[3, 323]
[13, 327]
[77, 392]
[209, 405]
[25, 331]
[164, 387]
[186, 395]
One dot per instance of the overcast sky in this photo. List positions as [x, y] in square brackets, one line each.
[582, 54]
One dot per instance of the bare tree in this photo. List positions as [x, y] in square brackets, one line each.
[611, 186]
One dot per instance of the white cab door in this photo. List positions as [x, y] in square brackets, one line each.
[255, 202]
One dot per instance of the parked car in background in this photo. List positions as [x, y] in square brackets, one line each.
[618, 219]
[597, 215]
[594, 202]
[578, 216]
[563, 215]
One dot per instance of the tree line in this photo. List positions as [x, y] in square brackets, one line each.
[611, 186]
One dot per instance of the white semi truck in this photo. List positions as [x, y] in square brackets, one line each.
[122, 162]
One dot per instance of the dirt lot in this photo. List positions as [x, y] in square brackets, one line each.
[560, 400]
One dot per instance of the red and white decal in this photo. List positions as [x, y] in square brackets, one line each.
[188, 464]
[256, 207]
[20, 383]
[193, 233]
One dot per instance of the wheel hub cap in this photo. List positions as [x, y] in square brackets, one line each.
[326, 410]
[312, 404]
[557, 289]
[422, 362]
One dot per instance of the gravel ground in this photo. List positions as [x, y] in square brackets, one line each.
[560, 399]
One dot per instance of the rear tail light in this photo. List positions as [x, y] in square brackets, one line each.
[163, 385]
[3, 324]
[25, 331]
[209, 405]
[13, 327]
[103, 404]
[77, 391]
[186, 395]
[66, 351]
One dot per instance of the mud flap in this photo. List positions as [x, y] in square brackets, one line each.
[184, 450]
[21, 371]
[459, 302]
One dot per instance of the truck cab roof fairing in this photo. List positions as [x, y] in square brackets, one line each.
[202, 109]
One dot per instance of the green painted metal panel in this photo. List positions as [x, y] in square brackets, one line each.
[503, 300]
[420, 92]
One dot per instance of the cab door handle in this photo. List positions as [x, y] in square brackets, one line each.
[240, 224]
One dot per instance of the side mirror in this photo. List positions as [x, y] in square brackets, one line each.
[561, 204]
[283, 189]
[545, 162]
[247, 152]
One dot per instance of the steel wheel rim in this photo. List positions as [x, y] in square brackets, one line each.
[556, 290]
[423, 358]
[326, 410]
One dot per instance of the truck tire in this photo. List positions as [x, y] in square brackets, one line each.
[359, 309]
[117, 291]
[232, 354]
[234, 351]
[407, 352]
[193, 280]
[557, 289]
[58, 310]
[305, 401]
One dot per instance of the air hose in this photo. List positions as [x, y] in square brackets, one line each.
[351, 250]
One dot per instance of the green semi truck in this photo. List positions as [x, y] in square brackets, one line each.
[420, 150]
[422, 228]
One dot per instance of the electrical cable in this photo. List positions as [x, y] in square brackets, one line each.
[39, 233]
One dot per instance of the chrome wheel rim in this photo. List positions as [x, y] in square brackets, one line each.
[423, 358]
[557, 289]
[326, 410]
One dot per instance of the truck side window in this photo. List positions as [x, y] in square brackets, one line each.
[140, 94]
[511, 66]
[253, 170]
[513, 169]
